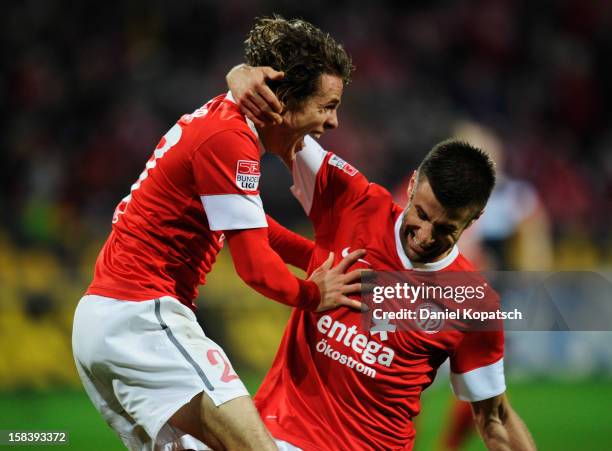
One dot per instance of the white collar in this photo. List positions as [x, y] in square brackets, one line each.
[229, 96]
[433, 266]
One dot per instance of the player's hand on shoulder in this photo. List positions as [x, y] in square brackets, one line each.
[253, 95]
[335, 285]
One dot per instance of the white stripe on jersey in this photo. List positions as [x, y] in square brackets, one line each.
[306, 165]
[481, 383]
[234, 211]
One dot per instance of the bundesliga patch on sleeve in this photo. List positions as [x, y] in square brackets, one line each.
[247, 175]
[338, 162]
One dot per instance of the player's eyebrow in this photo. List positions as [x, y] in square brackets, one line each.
[331, 102]
[422, 214]
[450, 228]
[446, 227]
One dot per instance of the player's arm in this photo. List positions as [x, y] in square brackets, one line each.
[255, 98]
[226, 172]
[500, 427]
[292, 248]
[477, 376]
[264, 271]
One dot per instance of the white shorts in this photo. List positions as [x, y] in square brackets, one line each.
[280, 444]
[142, 361]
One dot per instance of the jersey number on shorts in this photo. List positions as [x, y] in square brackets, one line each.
[228, 374]
[165, 144]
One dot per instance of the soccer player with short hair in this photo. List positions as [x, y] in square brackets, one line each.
[335, 386]
[157, 380]
[368, 400]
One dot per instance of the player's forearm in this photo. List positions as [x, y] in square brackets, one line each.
[291, 247]
[264, 271]
[506, 432]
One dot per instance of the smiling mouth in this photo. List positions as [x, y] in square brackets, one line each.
[417, 248]
[413, 244]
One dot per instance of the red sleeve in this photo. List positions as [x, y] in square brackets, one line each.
[226, 174]
[477, 366]
[292, 248]
[339, 185]
[225, 164]
[325, 185]
[263, 270]
[478, 349]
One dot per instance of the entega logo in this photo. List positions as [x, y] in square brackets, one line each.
[247, 175]
[369, 351]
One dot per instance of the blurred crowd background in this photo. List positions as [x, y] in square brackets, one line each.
[88, 88]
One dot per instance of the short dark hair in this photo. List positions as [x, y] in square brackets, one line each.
[460, 174]
[301, 51]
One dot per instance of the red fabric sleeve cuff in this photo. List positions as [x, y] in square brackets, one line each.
[309, 296]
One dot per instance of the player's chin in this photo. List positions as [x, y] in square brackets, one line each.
[299, 145]
[415, 257]
[421, 255]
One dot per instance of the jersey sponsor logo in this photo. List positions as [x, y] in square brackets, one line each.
[338, 162]
[370, 352]
[247, 175]
[347, 250]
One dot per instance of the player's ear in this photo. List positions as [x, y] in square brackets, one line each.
[474, 218]
[411, 183]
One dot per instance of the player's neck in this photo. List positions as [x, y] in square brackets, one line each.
[442, 256]
[280, 141]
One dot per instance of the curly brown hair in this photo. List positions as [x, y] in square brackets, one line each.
[301, 51]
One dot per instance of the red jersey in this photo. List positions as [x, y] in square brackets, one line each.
[202, 179]
[335, 386]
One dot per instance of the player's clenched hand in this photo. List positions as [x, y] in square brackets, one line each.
[253, 95]
[334, 284]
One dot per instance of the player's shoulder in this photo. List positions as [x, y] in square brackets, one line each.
[225, 109]
[336, 161]
[373, 215]
[472, 276]
[381, 195]
[375, 201]
[462, 263]
[220, 115]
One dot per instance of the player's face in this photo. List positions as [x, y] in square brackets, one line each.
[319, 112]
[429, 231]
